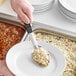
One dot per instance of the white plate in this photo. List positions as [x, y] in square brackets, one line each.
[69, 4]
[67, 7]
[44, 7]
[42, 10]
[19, 60]
[40, 7]
[66, 14]
[40, 2]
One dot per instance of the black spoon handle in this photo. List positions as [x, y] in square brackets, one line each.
[31, 34]
[28, 28]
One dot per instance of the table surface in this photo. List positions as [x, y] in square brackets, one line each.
[51, 17]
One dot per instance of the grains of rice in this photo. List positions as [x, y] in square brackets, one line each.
[67, 46]
[41, 56]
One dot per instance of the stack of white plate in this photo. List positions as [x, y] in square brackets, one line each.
[68, 8]
[41, 5]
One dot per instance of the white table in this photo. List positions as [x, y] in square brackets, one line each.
[52, 17]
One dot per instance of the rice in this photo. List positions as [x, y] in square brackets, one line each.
[67, 46]
[41, 56]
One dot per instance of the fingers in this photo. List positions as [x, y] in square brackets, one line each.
[20, 19]
[28, 11]
[22, 16]
[12, 2]
[23, 10]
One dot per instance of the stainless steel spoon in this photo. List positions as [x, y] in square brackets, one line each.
[31, 35]
[40, 55]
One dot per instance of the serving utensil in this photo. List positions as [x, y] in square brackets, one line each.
[31, 35]
[39, 55]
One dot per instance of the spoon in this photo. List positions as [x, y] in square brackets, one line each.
[39, 55]
[31, 35]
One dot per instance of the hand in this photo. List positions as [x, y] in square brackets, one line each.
[23, 9]
[4, 70]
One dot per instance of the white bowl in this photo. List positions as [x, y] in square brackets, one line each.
[19, 60]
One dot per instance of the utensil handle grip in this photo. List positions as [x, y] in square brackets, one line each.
[31, 34]
[28, 28]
